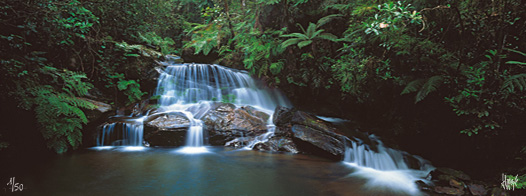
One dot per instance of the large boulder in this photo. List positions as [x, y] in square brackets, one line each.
[225, 122]
[166, 129]
[309, 133]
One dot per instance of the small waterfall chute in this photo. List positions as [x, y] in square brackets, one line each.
[127, 132]
[386, 167]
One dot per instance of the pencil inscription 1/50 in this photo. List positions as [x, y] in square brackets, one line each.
[14, 186]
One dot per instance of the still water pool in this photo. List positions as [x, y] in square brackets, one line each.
[168, 171]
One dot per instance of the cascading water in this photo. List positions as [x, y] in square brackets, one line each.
[386, 167]
[125, 133]
[184, 86]
[181, 86]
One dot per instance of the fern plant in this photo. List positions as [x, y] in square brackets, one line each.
[58, 110]
[60, 117]
[516, 82]
[423, 87]
[311, 34]
[165, 45]
[205, 38]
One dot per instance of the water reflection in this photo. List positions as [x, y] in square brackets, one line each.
[222, 171]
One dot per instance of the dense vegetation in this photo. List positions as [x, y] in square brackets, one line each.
[446, 79]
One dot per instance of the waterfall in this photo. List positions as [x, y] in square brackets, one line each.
[383, 166]
[183, 85]
[125, 133]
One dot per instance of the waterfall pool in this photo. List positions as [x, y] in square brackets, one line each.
[221, 171]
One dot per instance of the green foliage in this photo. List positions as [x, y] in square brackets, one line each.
[58, 111]
[205, 38]
[132, 89]
[423, 87]
[257, 49]
[514, 83]
[520, 182]
[165, 45]
[70, 20]
[392, 16]
[310, 35]
[60, 117]
[230, 98]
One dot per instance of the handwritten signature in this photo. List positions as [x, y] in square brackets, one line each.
[509, 183]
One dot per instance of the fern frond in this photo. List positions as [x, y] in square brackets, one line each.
[304, 43]
[430, 86]
[327, 19]
[290, 42]
[329, 36]
[514, 83]
[413, 86]
[311, 31]
[516, 63]
[296, 35]
[516, 51]
[275, 68]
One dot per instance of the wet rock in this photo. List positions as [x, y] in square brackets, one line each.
[166, 129]
[173, 59]
[456, 184]
[477, 189]
[239, 142]
[442, 177]
[200, 110]
[100, 109]
[452, 172]
[496, 191]
[423, 186]
[254, 112]
[309, 133]
[449, 190]
[224, 122]
[322, 139]
[140, 108]
[167, 121]
[172, 137]
[282, 116]
[277, 144]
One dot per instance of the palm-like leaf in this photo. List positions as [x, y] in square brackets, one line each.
[310, 34]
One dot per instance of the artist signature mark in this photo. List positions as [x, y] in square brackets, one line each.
[509, 183]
